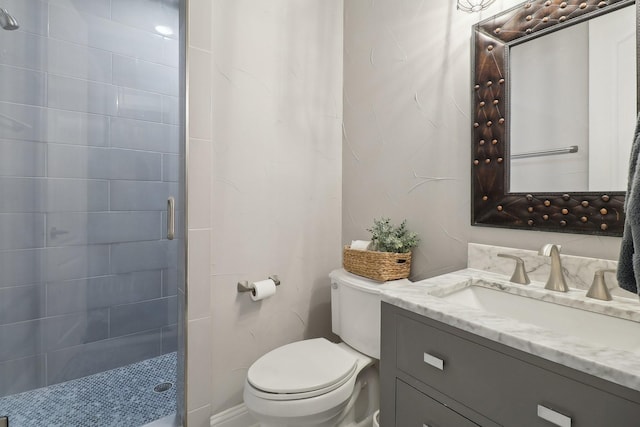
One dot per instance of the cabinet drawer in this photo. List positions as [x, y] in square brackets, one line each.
[414, 409]
[501, 387]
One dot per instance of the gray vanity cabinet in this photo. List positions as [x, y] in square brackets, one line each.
[417, 409]
[436, 375]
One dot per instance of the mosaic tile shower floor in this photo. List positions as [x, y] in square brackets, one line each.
[121, 397]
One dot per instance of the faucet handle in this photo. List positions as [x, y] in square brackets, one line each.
[599, 289]
[519, 274]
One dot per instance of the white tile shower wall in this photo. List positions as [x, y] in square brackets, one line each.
[276, 167]
[199, 350]
[407, 133]
[88, 155]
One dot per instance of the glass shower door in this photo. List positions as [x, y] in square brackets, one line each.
[89, 155]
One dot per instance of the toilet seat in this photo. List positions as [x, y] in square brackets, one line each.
[278, 409]
[301, 370]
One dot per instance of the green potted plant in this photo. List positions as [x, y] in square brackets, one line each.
[386, 237]
[389, 257]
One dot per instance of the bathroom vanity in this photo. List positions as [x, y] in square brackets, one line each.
[445, 363]
[437, 375]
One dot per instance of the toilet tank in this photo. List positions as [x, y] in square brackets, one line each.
[355, 311]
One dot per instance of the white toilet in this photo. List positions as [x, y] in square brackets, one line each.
[316, 382]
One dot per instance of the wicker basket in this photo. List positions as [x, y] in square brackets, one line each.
[381, 266]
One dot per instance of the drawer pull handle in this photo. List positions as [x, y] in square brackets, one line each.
[555, 418]
[434, 361]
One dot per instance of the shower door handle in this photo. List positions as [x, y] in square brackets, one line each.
[171, 218]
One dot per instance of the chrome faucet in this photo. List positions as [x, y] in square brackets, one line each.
[599, 289]
[556, 280]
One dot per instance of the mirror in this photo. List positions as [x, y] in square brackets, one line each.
[576, 134]
[548, 154]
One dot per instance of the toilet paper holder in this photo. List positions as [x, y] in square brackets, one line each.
[245, 286]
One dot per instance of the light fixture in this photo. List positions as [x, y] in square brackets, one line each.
[474, 5]
[164, 30]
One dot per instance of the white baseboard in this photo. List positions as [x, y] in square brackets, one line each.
[238, 416]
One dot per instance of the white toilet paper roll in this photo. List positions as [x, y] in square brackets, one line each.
[263, 289]
[361, 245]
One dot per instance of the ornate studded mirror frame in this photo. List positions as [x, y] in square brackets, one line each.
[591, 213]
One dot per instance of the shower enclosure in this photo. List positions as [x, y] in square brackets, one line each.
[90, 153]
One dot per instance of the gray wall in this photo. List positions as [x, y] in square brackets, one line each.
[406, 142]
[276, 192]
[88, 156]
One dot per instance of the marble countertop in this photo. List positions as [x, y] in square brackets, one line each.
[618, 366]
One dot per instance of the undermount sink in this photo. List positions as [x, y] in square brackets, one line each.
[595, 328]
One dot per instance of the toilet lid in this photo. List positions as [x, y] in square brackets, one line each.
[301, 367]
